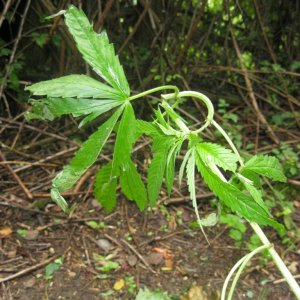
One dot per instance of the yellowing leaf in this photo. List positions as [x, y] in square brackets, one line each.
[119, 284]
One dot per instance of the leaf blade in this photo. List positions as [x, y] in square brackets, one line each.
[51, 108]
[80, 86]
[232, 197]
[219, 155]
[157, 166]
[132, 185]
[105, 187]
[125, 139]
[267, 166]
[96, 50]
[85, 156]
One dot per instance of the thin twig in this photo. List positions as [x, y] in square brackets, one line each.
[30, 269]
[17, 178]
[138, 255]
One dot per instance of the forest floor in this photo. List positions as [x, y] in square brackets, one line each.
[91, 254]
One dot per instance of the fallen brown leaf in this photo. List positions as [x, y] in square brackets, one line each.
[5, 232]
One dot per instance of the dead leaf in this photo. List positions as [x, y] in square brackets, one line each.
[31, 235]
[104, 244]
[119, 284]
[154, 258]
[164, 252]
[132, 260]
[169, 263]
[29, 283]
[196, 292]
[293, 267]
[172, 222]
[5, 232]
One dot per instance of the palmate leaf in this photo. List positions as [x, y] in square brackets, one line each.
[217, 154]
[265, 165]
[232, 197]
[83, 158]
[51, 108]
[97, 51]
[80, 86]
[160, 148]
[132, 185]
[105, 187]
[125, 139]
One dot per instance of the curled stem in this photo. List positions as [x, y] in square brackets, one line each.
[198, 96]
[241, 264]
[151, 91]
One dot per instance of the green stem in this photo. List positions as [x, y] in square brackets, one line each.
[241, 265]
[229, 141]
[275, 256]
[198, 96]
[278, 261]
[160, 88]
[244, 262]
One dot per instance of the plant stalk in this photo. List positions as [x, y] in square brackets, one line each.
[160, 88]
[278, 261]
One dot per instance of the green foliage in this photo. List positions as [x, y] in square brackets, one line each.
[81, 95]
[105, 187]
[217, 154]
[97, 51]
[79, 86]
[83, 159]
[267, 166]
[145, 294]
[53, 267]
[160, 148]
[233, 197]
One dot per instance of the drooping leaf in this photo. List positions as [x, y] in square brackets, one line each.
[97, 51]
[105, 187]
[217, 154]
[170, 167]
[190, 174]
[132, 184]
[51, 108]
[80, 86]
[126, 135]
[157, 166]
[232, 197]
[182, 167]
[84, 157]
[267, 166]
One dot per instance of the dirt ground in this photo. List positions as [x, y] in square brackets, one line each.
[45, 254]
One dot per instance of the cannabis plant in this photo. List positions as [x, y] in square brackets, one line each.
[82, 96]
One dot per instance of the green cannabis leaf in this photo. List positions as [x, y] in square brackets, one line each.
[79, 86]
[132, 185]
[219, 155]
[105, 187]
[51, 108]
[232, 197]
[83, 159]
[265, 165]
[160, 148]
[97, 51]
